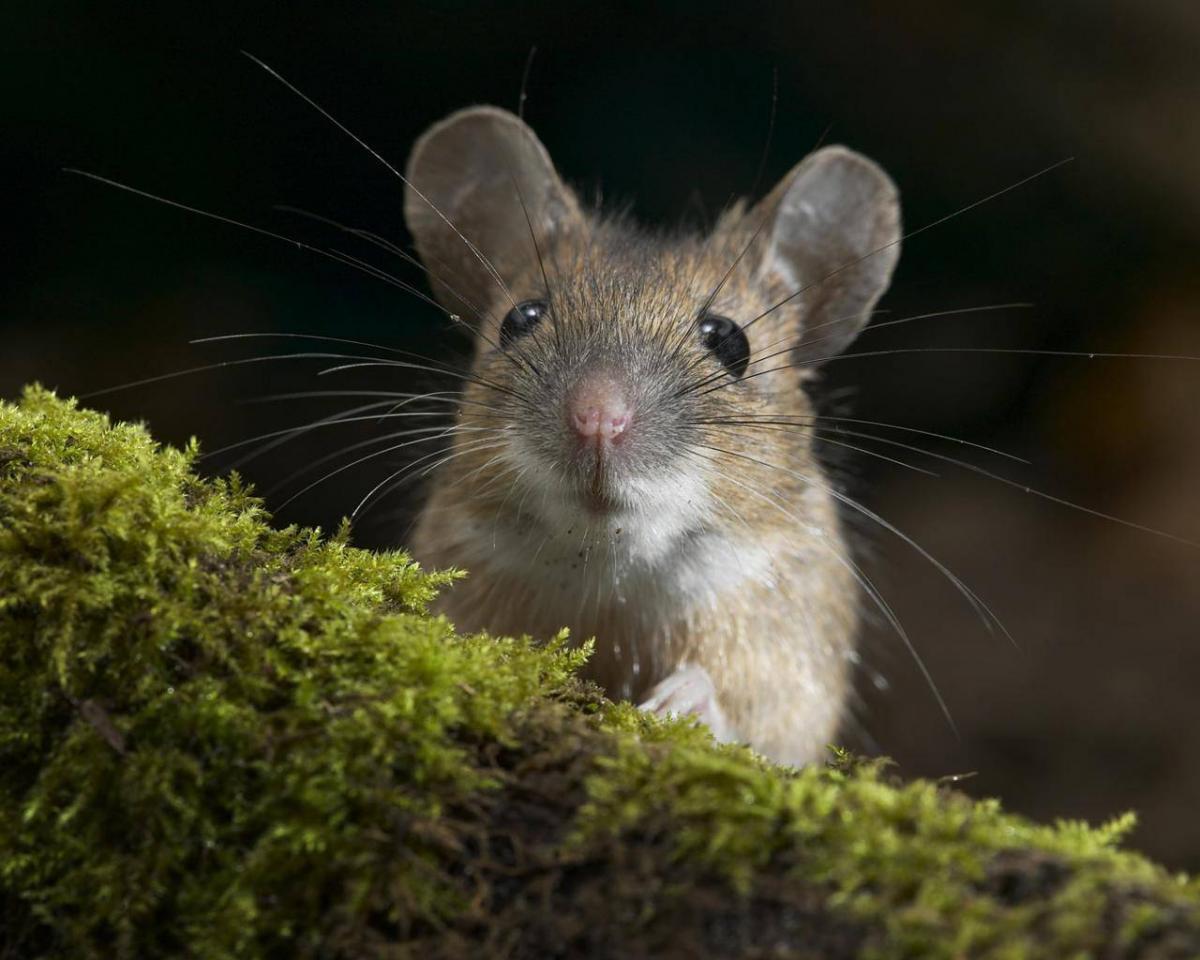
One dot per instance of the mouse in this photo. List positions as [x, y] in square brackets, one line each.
[633, 455]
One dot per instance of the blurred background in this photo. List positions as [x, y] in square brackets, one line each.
[1094, 710]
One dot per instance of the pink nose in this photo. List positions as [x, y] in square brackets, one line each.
[598, 411]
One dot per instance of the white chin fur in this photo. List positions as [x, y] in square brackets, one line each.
[648, 520]
[666, 541]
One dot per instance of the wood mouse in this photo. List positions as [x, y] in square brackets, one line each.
[633, 451]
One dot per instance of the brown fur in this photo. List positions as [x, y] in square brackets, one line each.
[745, 570]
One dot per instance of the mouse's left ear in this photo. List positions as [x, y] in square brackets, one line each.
[833, 232]
[482, 200]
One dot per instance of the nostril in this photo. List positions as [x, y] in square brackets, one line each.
[586, 421]
[603, 422]
[616, 424]
[598, 410]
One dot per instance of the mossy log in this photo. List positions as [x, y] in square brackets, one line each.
[220, 739]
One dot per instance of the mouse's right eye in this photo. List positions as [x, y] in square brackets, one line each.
[521, 319]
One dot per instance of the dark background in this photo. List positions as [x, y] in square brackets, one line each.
[667, 106]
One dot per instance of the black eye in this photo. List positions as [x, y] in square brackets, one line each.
[726, 341]
[521, 319]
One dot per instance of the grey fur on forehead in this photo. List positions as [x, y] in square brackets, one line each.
[484, 202]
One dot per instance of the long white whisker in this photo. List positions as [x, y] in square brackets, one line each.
[426, 434]
[355, 463]
[908, 236]
[335, 256]
[985, 612]
[873, 592]
[334, 420]
[487, 264]
[754, 419]
[458, 452]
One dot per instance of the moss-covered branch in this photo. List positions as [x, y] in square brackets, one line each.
[218, 739]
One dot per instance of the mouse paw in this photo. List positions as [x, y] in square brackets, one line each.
[689, 691]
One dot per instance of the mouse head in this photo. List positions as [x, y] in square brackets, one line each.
[619, 373]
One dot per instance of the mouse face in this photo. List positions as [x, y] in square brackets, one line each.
[640, 390]
[619, 375]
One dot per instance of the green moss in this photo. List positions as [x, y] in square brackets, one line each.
[943, 875]
[219, 739]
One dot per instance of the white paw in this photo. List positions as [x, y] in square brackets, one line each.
[689, 691]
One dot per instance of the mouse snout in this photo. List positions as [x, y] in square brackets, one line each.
[598, 410]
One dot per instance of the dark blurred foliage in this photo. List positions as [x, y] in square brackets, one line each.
[1094, 710]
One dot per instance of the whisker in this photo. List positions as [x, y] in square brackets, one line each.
[355, 463]
[908, 236]
[372, 270]
[972, 598]
[286, 436]
[875, 454]
[208, 367]
[716, 292]
[824, 435]
[335, 420]
[533, 237]
[956, 312]
[460, 451]
[973, 468]
[712, 471]
[385, 438]
[762, 160]
[396, 250]
[221, 338]
[795, 342]
[752, 419]
[484, 262]
[433, 365]
[525, 82]
[1075, 354]
[454, 318]
[261, 231]
[516, 481]
[441, 397]
[366, 361]
[469, 378]
[876, 597]
[1025, 488]
[466, 477]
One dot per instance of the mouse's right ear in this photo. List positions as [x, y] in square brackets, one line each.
[482, 200]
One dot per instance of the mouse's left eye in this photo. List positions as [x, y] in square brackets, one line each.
[726, 341]
[521, 319]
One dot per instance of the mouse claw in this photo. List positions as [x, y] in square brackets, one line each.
[689, 691]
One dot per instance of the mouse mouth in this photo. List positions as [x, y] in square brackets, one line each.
[598, 495]
[597, 483]
[600, 504]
